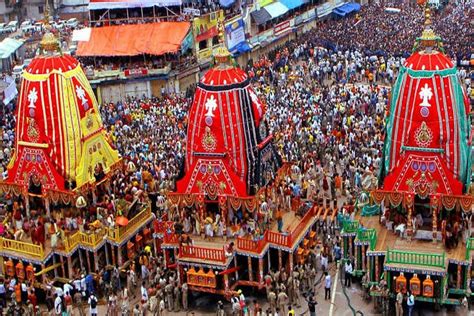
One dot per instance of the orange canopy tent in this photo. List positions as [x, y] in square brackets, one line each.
[135, 39]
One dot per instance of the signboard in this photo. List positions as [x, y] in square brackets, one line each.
[311, 15]
[192, 11]
[137, 72]
[204, 54]
[300, 19]
[281, 28]
[261, 38]
[206, 27]
[235, 33]
[324, 9]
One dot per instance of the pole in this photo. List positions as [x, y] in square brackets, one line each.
[249, 260]
[280, 259]
[107, 262]
[88, 261]
[70, 268]
[119, 256]
[63, 269]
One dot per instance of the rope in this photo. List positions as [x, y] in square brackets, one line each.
[354, 311]
[310, 290]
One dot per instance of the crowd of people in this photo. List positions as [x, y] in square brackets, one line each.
[397, 31]
[326, 95]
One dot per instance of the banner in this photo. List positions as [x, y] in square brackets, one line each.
[192, 11]
[187, 42]
[235, 33]
[137, 72]
[281, 28]
[206, 26]
[124, 4]
[10, 91]
[324, 9]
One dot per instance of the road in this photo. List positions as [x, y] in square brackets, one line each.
[337, 306]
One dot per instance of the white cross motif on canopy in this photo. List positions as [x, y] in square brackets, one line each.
[32, 98]
[426, 94]
[211, 106]
[81, 94]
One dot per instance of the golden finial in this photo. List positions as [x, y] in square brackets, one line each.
[49, 43]
[221, 30]
[428, 39]
[427, 16]
[46, 15]
[222, 54]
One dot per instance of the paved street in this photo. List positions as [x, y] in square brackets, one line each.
[337, 306]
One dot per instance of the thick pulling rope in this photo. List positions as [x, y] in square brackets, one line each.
[354, 311]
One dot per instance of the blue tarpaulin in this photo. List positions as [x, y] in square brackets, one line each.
[226, 3]
[292, 4]
[241, 48]
[347, 8]
[276, 9]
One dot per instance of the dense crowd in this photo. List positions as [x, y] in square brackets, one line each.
[151, 133]
[326, 97]
[398, 31]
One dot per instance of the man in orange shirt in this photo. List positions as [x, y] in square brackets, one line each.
[338, 184]
[18, 292]
[279, 218]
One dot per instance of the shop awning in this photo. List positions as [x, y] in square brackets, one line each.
[276, 9]
[135, 39]
[9, 46]
[124, 4]
[293, 4]
[226, 3]
[347, 8]
[263, 3]
[241, 48]
[261, 16]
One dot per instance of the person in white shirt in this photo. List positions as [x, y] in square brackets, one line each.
[410, 302]
[58, 305]
[162, 307]
[144, 292]
[58, 291]
[3, 292]
[348, 275]
[67, 288]
[77, 285]
[327, 286]
[83, 284]
[93, 305]
[12, 284]
[24, 291]
[324, 261]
